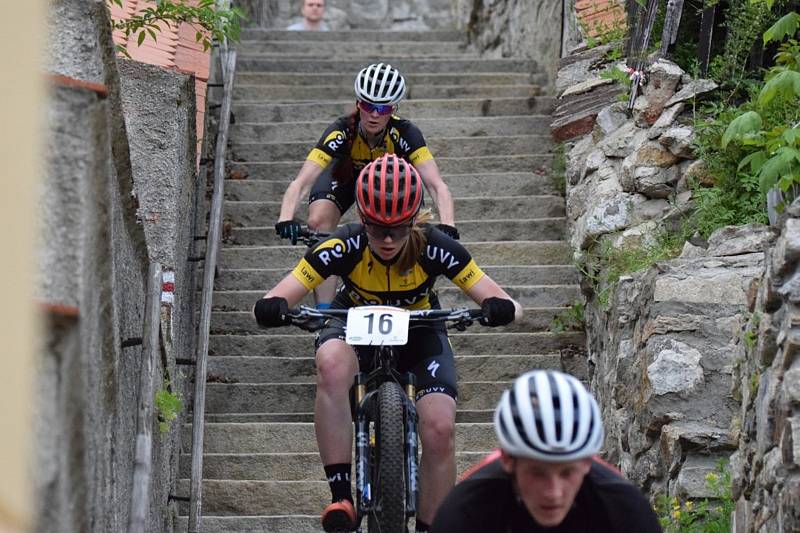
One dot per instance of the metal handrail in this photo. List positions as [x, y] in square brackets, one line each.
[228, 62]
[143, 459]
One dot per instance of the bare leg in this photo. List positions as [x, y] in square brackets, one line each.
[336, 366]
[323, 215]
[437, 418]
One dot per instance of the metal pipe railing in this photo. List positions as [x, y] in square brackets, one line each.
[228, 62]
[143, 459]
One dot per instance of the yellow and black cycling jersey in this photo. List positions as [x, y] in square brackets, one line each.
[368, 280]
[402, 137]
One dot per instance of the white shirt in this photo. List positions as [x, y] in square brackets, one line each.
[301, 26]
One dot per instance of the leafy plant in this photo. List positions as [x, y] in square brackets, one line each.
[210, 22]
[571, 319]
[168, 405]
[703, 516]
[620, 74]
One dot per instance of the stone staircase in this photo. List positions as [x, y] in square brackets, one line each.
[489, 132]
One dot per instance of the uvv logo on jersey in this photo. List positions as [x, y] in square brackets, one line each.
[332, 249]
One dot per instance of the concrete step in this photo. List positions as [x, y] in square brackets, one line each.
[413, 79]
[243, 323]
[255, 278]
[363, 57]
[411, 109]
[299, 397]
[449, 296]
[462, 415]
[242, 498]
[281, 93]
[310, 132]
[519, 253]
[300, 344]
[348, 48]
[281, 437]
[415, 65]
[373, 36]
[540, 164]
[460, 185]
[252, 524]
[548, 229]
[260, 214]
[256, 369]
[449, 146]
[281, 466]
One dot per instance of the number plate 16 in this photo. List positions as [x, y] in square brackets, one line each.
[377, 325]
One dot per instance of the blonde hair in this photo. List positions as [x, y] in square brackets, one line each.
[417, 241]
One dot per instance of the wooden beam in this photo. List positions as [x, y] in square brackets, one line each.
[706, 34]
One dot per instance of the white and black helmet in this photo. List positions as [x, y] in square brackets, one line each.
[548, 416]
[380, 83]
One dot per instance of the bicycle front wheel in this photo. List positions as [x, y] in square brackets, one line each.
[388, 467]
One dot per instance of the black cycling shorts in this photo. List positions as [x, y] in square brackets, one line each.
[327, 188]
[428, 354]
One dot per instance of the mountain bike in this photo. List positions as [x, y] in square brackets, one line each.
[383, 407]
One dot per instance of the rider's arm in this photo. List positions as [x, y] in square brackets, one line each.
[289, 288]
[299, 189]
[438, 189]
[486, 287]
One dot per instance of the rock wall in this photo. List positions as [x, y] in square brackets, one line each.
[693, 359]
[100, 191]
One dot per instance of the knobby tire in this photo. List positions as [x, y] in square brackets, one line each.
[389, 483]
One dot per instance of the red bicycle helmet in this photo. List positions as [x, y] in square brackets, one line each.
[389, 191]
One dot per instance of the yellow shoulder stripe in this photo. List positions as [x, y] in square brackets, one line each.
[319, 157]
[469, 276]
[420, 155]
[306, 275]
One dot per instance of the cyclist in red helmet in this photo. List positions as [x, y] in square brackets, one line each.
[392, 257]
[328, 175]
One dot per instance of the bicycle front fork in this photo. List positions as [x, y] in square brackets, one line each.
[412, 446]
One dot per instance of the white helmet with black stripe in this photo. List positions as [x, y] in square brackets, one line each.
[548, 416]
[380, 83]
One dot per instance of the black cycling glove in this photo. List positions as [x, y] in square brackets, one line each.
[450, 231]
[272, 312]
[288, 229]
[497, 311]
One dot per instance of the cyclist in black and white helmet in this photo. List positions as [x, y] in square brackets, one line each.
[546, 476]
[329, 172]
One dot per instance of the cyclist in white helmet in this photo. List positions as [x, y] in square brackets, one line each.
[329, 173]
[546, 476]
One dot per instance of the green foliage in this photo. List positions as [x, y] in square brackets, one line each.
[571, 319]
[704, 516]
[559, 168]
[168, 405]
[615, 72]
[209, 21]
[745, 23]
[606, 267]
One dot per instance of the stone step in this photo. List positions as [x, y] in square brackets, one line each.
[310, 132]
[462, 415]
[411, 109]
[449, 296]
[281, 93]
[449, 146]
[517, 253]
[299, 397]
[281, 466]
[231, 438]
[540, 164]
[416, 48]
[460, 185]
[410, 65]
[363, 58]
[254, 498]
[374, 36]
[549, 229]
[256, 369]
[260, 214]
[251, 524]
[243, 323]
[412, 78]
[301, 344]
[262, 279]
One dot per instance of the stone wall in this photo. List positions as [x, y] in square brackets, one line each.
[98, 231]
[693, 359]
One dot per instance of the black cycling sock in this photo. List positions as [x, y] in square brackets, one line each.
[339, 480]
[422, 527]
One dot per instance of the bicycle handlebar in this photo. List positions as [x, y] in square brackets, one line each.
[460, 318]
[310, 237]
